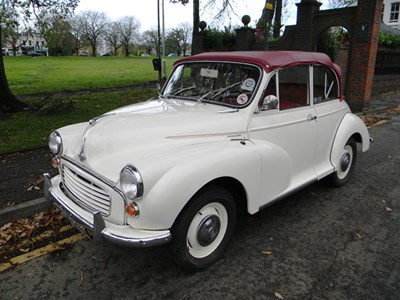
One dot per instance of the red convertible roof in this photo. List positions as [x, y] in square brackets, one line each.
[268, 60]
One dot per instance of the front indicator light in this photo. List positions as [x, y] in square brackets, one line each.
[132, 210]
[55, 162]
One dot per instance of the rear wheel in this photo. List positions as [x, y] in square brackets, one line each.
[203, 229]
[346, 165]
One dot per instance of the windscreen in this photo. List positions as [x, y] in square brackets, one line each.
[226, 84]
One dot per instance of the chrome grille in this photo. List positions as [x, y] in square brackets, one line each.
[88, 195]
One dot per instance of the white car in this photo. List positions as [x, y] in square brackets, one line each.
[230, 133]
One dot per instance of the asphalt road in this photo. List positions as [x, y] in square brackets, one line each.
[320, 243]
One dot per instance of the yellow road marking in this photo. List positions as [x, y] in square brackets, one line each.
[18, 260]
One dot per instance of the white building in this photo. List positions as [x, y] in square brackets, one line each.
[27, 44]
[390, 12]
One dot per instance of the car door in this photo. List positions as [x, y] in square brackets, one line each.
[289, 131]
[330, 111]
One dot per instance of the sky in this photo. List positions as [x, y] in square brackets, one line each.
[146, 11]
[175, 14]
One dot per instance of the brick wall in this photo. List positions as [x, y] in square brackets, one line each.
[363, 55]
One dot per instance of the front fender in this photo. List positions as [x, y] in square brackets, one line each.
[351, 125]
[175, 187]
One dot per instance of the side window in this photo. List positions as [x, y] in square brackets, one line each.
[293, 87]
[325, 85]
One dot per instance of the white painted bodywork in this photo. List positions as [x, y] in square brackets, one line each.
[180, 146]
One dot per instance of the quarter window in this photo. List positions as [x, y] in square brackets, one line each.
[394, 12]
[325, 84]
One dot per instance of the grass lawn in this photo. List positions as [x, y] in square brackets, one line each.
[30, 75]
[35, 75]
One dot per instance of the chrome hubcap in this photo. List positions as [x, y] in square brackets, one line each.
[208, 230]
[345, 162]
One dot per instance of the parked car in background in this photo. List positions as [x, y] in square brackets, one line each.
[230, 133]
[83, 53]
[34, 53]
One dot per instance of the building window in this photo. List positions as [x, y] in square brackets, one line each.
[394, 12]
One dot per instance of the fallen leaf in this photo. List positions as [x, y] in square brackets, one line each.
[278, 295]
[82, 279]
[5, 226]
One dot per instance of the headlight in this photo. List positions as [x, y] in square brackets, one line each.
[55, 143]
[131, 183]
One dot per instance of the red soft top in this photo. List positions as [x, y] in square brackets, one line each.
[268, 60]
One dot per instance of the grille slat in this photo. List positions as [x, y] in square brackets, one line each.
[92, 190]
[87, 193]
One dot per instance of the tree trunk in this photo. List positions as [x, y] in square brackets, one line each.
[196, 18]
[8, 102]
[278, 19]
[196, 15]
[126, 50]
[195, 32]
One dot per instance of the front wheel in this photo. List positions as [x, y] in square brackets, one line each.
[346, 164]
[203, 229]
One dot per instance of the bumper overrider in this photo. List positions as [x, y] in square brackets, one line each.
[93, 226]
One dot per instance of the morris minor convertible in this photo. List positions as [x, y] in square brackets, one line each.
[229, 133]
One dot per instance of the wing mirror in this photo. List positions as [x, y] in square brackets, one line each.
[270, 102]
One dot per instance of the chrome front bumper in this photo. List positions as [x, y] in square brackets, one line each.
[97, 229]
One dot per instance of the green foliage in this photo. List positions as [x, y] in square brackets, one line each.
[329, 41]
[389, 41]
[178, 39]
[220, 40]
[57, 33]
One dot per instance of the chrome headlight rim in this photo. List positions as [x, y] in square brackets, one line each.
[130, 176]
[55, 143]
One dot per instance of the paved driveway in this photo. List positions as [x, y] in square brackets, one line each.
[320, 243]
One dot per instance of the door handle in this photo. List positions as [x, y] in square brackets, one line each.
[311, 118]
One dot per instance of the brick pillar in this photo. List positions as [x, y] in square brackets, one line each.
[244, 38]
[198, 43]
[363, 54]
[304, 25]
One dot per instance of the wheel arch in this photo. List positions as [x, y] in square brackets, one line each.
[231, 185]
[351, 126]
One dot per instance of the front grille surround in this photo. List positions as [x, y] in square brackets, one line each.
[115, 200]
